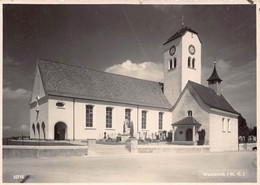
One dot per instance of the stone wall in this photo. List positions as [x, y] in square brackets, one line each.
[247, 146]
[42, 151]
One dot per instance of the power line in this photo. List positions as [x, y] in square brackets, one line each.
[133, 30]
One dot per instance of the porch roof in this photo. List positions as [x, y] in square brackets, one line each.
[187, 121]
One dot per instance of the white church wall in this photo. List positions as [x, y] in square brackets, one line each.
[118, 118]
[99, 119]
[190, 73]
[50, 114]
[152, 121]
[222, 138]
[187, 102]
[60, 114]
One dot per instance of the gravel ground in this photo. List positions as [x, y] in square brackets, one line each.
[168, 167]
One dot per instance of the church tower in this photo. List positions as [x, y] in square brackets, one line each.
[182, 62]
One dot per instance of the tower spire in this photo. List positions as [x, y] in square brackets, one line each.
[214, 76]
[214, 80]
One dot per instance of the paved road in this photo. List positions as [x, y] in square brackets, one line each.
[170, 167]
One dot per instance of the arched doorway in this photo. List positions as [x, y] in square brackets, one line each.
[60, 130]
[189, 134]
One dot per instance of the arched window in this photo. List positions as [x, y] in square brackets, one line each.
[128, 114]
[193, 63]
[189, 62]
[144, 119]
[33, 128]
[170, 64]
[175, 62]
[43, 129]
[89, 116]
[229, 125]
[223, 125]
[160, 120]
[189, 113]
[108, 117]
[38, 129]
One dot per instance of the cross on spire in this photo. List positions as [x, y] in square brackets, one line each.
[215, 62]
[182, 21]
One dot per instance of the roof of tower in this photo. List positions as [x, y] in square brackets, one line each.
[66, 80]
[180, 33]
[214, 76]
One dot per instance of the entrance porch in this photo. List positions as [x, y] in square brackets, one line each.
[185, 131]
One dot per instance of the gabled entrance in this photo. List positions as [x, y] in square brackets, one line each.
[60, 131]
[184, 131]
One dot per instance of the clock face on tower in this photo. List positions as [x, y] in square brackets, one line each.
[192, 49]
[172, 50]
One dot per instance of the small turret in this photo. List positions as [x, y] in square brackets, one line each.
[214, 81]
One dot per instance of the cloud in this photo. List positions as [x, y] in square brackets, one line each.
[24, 127]
[9, 61]
[6, 127]
[15, 94]
[146, 70]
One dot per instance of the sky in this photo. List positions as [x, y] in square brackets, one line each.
[127, 40]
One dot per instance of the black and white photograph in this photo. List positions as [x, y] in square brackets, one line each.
[129, 93]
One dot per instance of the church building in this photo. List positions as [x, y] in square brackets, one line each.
[70, 102]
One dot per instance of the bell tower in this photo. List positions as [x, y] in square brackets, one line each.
[182, 62]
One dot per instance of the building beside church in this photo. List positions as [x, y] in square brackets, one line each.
[71, 102]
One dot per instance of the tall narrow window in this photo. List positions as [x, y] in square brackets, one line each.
[160, 120]
[108, 117]
[189, 62]
[144, 119]
[89, 116]
[223, 125]
[193, 63]
[175, 62]
[229, 125]
[128, 114]
[189, 113]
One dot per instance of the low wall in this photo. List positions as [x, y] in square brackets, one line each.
[42, 151]
[247, 146]
[169, 148]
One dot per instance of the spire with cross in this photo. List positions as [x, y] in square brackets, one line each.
[182, 21]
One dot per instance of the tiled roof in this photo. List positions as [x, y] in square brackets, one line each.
[214, 76]
[180, 33]
[210, 98]
[187, 121]
[61, 79]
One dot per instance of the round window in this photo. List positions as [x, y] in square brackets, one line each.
[60, 104]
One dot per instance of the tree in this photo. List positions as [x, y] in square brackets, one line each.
[243, 129]
[253, 131]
